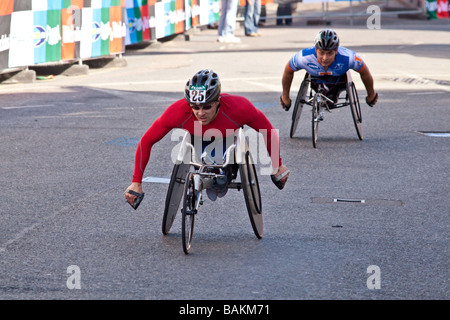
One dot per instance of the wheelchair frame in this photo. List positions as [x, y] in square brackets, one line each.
[190, 177]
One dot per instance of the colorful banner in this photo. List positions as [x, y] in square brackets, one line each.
[155, 19]
[442, 9]
[438, 9]
[42, 31]
[6, 9]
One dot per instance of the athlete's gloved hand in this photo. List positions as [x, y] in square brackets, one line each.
[286, 107]
[374, 100]
[280, 178]
[134, 195]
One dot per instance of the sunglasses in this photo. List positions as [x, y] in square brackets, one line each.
[207, 107]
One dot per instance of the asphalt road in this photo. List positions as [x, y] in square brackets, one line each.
[67, 155]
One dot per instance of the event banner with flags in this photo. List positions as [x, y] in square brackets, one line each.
[45, 31]
[438, 9]
[155, 19]
[41, 31]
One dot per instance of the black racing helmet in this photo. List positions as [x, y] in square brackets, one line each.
[203, 88]
[327, 39]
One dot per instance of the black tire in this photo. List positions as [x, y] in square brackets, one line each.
[188, 213]
[298, 106]
[355, 108]
[315, 122]
[252, 194]
[174, 195]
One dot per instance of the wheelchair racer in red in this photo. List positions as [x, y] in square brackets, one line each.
[205, 104]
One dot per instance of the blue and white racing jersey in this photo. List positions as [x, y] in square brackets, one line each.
[345, 59]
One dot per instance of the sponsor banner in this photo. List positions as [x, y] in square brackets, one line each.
[5, 24]
[134, 21]
[214, 11]
[195, 13]
[6, 7]
[174, 17]
[22, 39]
[41, 31]
[117, 31]
[105, 30]
[431, 6]
[71, 28]
[263, 2]
[151, 19]
[145, 20]
[204, 12]
[159, 20]
[169, 20]
[154, 19]
[442, 9]
[88, 32]
[437, 9]
[53, 39]
[96, 27]
[68, 34]
[310, 1]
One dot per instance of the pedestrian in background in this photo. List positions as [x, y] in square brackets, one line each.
[251, 17]
[285, 8]
[227, 21]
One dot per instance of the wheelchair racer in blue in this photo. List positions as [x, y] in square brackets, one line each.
[328, 63]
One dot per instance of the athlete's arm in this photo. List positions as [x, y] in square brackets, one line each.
[261, 124]
[357, 64]
[367, 79]
[166, 122]
[155, 133]
[286, 82]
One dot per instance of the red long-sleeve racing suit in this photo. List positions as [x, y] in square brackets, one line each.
[234, 112]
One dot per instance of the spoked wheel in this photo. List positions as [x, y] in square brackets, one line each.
[356, 109]
[174, 195]
[189, 211]
[298, 107]
[315, 121]
[252, 195]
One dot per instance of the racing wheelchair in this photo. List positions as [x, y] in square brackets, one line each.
[190, 176]
[315, 92]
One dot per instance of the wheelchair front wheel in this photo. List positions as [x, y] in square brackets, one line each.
[189, 211]
[356, 110]
[252, 194]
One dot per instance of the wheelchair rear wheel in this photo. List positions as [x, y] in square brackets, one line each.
[252, 195]
[298, 106]
[356, 109]
[174, 195]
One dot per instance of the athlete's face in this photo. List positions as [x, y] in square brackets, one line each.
[326, 57]
[205, 114]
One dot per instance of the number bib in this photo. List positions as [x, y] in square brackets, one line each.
[197, 94]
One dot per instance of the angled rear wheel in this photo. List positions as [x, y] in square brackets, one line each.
[355, 109]
[174, 195]
[252, 194]
[298, 106]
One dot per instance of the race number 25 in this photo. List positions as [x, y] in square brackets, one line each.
[197, 94]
